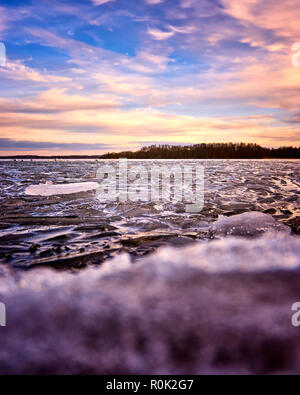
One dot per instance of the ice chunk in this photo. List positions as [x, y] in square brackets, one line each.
[252, 223]
[60, 189]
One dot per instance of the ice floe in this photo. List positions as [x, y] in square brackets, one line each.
[252, 223]
[60, 189]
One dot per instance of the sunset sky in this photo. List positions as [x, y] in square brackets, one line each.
[91, 76]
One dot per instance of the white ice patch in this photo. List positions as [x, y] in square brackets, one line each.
[253, 223]
[60, 189]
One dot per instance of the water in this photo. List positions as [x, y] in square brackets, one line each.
[215, 298]
[76, 230]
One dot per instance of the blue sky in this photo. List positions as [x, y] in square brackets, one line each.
[92, 75]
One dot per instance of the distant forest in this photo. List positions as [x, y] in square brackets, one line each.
[207, 151]
[196, 151]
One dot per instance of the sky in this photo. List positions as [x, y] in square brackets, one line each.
[92, 76]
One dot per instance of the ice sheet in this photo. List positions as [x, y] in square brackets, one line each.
[60, 189]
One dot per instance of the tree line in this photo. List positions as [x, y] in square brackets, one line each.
[207, 151]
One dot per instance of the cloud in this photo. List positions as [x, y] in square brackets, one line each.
[202, 8]
[154, 1]
[156, 142]
[21, 72]
[267, 85]
[115, 126]
[149, 62]
[3, 20]
[293, 118]
[7, 144]
[100, 2]
[281, 17]
[159, 34]
[58, 101]
[186, 29]
[9, 17]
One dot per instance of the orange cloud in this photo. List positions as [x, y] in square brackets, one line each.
[68, 123]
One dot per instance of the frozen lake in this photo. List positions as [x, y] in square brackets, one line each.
[75, 230]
